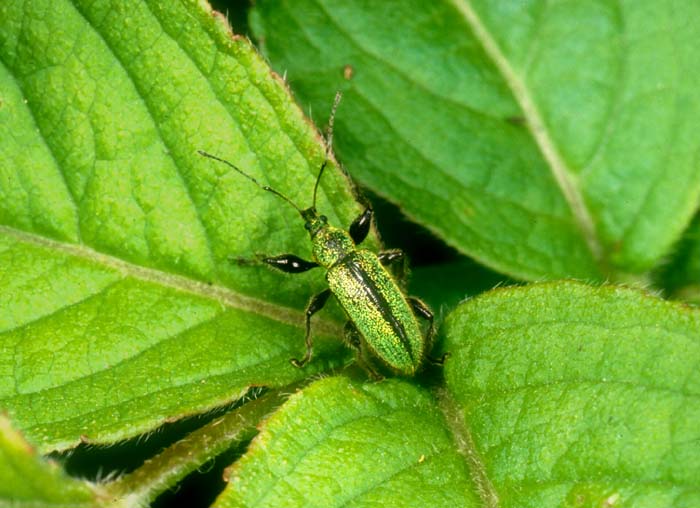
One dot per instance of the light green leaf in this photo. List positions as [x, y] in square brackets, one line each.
[120, 306]
[544, 139]
[26, 480]
[579, 396]
[342, 443]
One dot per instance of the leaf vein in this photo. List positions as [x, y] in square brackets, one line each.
[565, 178]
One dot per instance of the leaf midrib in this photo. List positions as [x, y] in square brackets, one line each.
[223, 295]
[563, 175]
[464, 442]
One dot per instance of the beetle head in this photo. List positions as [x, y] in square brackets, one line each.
[313, 221]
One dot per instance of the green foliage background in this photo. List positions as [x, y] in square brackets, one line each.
[503, 144]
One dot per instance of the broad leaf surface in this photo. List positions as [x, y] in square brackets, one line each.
[26, 480]
[556, 394]
[120, 308]
[545, 139]
[119, 304]
[577, 396]
[342, 443]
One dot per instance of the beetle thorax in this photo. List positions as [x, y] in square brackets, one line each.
[330, 245]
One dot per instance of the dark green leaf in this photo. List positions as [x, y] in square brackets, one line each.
[544, 140]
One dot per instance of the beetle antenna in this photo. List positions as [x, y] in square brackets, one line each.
[263, 187]
[329, 143]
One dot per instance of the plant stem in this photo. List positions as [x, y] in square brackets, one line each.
[142, 486]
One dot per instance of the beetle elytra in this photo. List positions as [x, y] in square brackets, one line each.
[383, 323]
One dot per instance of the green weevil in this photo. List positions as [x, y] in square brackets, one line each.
[382, 320]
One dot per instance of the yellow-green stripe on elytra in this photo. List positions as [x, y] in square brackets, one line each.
[378, 309]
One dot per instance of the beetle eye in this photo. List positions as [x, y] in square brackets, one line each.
[307, 225]
[323, 218]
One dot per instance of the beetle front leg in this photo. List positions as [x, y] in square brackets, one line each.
[288, 263]
[315, 304]
[360, 226]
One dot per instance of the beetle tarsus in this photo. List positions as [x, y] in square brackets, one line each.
[299, 364]
[439, 361]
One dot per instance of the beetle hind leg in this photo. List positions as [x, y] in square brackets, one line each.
[354, 340]
[422, 310]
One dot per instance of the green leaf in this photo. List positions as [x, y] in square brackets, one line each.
[556, 394]
[121, 308]
[579, 396]
[26, 480]
[544, 140]
[343, 443]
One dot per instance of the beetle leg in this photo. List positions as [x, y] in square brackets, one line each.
[288, 263]
[422, 310]
[387, 257]
[315, 304]
[440, 361]
[391, 257]
[360, 226]
[354, 340]
[352, 336]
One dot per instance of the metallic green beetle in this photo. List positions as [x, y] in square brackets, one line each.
[382, 320]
